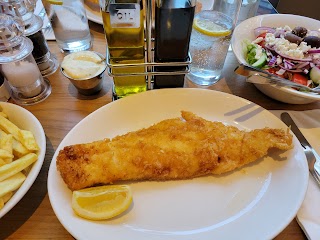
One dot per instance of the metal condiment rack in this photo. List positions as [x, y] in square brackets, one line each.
[149, 63]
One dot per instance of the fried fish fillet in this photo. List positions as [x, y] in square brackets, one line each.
[177, 148]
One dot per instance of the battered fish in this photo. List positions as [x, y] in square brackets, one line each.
[177, 148]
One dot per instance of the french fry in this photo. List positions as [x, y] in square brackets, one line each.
[7, 196]
[9, 127]
[28, 140]
[11, 184]
[16, 166]
[18, 149]
[2, 162]
[6, 141]
[3, 114]
[6, 156]
[5, 199]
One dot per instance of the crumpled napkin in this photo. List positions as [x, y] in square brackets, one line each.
[308, 216]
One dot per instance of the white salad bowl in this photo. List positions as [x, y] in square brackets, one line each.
[245, 31]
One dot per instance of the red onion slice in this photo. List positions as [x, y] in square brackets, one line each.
[301, 65]
[279, 33]
[260, 30]
[272, 61]
[288, 65]
[290, 70]
[312, 51]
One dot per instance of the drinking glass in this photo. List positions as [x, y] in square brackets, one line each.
[70, 25]
[210, 40]
[248, 9]
[209, 51]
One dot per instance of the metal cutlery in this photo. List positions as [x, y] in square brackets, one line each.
[312, 157]
[256, 75]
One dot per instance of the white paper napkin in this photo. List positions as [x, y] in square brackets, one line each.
[308, 215]
[46, 28]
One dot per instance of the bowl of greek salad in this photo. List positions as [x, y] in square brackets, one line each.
[285, 45]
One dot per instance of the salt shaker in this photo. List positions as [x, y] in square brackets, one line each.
[4, 89]
[46, 61]
[18, 65]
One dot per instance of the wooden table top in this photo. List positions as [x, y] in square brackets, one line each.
[33, 217]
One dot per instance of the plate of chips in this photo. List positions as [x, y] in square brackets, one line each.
[22, 152]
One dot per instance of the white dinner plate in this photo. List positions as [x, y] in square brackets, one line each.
[255, 202]
[27, 121]
[92, 15]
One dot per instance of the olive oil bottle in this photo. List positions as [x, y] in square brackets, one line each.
[123, 22]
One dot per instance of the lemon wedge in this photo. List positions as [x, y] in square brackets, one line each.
[104, 202]
[210, 28]
[55, 2]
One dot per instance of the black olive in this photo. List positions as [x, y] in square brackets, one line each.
[293, 38]
[300, 31]
[313, 41]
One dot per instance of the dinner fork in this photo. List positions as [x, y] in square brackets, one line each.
[311, 155]
[314, 168]
[258, 76]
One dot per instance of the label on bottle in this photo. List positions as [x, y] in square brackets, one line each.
[125, 15]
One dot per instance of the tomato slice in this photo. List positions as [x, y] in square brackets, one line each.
[262, 43]
[274, 71]
[263, 35]
[299, 78]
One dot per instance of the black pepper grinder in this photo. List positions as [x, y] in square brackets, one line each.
[46, 61]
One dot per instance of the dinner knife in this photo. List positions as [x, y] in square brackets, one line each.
[312, 157]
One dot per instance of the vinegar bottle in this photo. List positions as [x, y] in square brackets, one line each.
[173, 25]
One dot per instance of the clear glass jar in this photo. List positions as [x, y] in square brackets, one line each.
[18, 65]
[23, 9]
[70, 25]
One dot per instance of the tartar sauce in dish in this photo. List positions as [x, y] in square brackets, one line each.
[82, 65]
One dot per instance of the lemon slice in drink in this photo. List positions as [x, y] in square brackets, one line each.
[210, 28]
[104, 202]
[55, 2]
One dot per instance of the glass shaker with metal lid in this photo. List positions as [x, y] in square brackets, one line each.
[18, 65]
[46, 61]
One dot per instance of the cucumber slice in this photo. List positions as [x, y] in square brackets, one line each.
[261, 61]
[315, 75]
